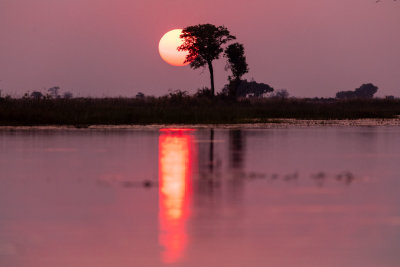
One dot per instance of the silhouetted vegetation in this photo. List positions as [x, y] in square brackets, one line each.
[53, 91]
[237, 65]
[364, 91]
[68, 95]
[203, 92]
[236, 61]
[281, 93]
[36, 95]
[178, 107]
[204, 44]
[140, 95]
[243, 88]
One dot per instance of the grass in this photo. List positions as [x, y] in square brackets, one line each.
[182, 109]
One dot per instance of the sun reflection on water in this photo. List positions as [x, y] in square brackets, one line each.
[175, 165]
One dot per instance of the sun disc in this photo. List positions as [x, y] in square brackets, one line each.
[168, 48]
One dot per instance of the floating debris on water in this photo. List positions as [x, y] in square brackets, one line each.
[345, 176]
[290, 177]
[274, 176]
[147, 183]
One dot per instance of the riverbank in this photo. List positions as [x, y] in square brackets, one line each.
[189, 110]
[279, 123]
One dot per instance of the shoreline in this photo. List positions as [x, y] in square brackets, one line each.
[273, 124]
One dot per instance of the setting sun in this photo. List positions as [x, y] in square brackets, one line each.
[168, 48]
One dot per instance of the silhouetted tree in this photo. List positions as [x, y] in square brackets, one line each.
[54, 91]
[36, 95]
[204, 44]
[281, 93]
[251, 88]
[67, 95]
[140, 95]
[237, 64]
[236, 61]
[364, 91]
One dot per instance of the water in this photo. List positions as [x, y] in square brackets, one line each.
[275, 197]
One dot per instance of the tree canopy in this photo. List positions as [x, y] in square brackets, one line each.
[364, 91]
[246, 88]
[236, 61]
[204, 42]
[238, 66]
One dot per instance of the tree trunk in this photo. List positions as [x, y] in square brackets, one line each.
[210, 67]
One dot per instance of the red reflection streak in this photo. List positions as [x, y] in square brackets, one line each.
[175, 165]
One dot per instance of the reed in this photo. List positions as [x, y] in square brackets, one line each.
[184, 109]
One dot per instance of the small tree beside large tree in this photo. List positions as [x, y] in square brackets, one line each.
[204, 42]
[238, 66]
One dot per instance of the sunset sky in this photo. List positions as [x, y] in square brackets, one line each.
[110, 47]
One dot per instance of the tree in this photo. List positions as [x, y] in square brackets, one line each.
[36, 95]
[281, 93]
[237, 64]
[246, 88]
[204, 43]
[67, 95]
[364, 91]
[236, 61]
[140, 95]
[54, 91]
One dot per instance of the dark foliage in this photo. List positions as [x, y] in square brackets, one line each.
[345, 95]
[364, 91]
[245, 88]
[36, 95]
[236, 61]
[238, 66]
[68, 95]
[54, 91]
[140, 95]
[281, 93]
[178, 107]
[203, 92]
[204, 43]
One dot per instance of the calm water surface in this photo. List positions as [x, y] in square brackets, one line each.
[272, 197]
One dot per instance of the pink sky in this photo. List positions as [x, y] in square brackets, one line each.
[110, 47]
